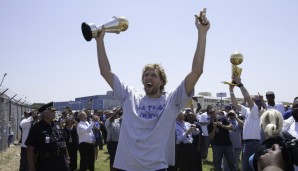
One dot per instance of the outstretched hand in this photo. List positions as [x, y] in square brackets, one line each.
[237, 80]
[202, 22]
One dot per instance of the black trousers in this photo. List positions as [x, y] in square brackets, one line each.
[186, 157]
[73, 154]
[23, 161]
[112, 151]
[87, 156]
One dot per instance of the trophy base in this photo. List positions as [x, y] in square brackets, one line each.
[232, 84]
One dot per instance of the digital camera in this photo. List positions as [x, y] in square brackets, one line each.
[290, 151]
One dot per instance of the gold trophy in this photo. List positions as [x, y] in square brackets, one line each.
[236, 59]
[115, 25]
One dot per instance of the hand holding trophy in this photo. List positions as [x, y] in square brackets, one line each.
[236, 59]
[115, 25]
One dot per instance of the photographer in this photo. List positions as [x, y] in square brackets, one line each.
[218, 130]
[235, 137]
[186, 150]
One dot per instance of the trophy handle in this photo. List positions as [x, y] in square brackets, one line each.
[232, 84]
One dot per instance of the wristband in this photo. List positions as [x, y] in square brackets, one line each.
[240, 85]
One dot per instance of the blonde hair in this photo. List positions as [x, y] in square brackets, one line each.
[161, 73]
[272, 122]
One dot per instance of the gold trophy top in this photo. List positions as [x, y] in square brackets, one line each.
[236, 58]
[123, 23]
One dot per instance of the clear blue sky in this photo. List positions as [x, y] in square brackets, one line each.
[46, 57]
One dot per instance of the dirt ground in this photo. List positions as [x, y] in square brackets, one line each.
[10, 158]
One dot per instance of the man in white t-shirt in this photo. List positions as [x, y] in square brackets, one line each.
[147, 134]
[25, 125]
[251, 127]
[204, 120]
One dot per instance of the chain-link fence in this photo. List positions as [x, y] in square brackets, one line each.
[11, 112]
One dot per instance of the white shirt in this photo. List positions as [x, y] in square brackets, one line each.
[204, 117]
[251, 127]
[147, 134]
[181, 136]
[25, 125]
[85, 133]
[278, 106]
[287, 123]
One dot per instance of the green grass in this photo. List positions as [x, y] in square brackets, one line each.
[102, 162]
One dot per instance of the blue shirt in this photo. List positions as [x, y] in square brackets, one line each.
[287, 114]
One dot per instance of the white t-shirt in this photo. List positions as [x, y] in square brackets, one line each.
[25, 125]
[147, 134]
[204, 117]
[251, 127]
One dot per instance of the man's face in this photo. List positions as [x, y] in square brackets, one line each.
[49, 114]
[180, 117]
[270, 98]
[152, 82]
[83, 116]
[64, 114]
[212, 113]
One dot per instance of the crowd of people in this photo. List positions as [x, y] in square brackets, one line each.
[87, 133]
[154, 132]
[243, 132]
[53, 144]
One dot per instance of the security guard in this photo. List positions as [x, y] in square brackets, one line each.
[46, 148]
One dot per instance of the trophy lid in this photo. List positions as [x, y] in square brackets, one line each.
[123, 23]
[236, 58]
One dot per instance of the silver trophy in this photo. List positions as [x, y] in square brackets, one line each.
[115, 25]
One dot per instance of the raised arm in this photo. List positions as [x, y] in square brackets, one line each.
[203, 26]
[233, 99]
[244, 92]
[103, 61]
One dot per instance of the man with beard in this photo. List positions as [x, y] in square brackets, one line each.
[147, 135]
